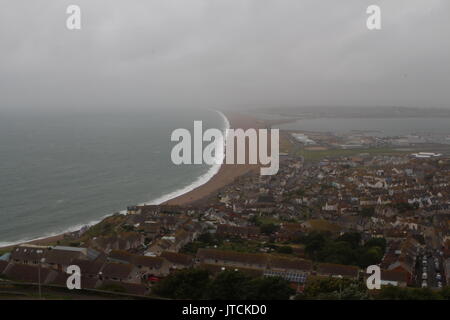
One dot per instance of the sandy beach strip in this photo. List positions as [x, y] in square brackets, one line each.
[225, 176]
[39, 242]
[227, 173]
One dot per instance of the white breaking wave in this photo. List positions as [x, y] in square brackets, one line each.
[200, 180]
[55, 233]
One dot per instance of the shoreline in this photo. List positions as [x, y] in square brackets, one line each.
[225, 175]
[227, 172]
[200, 181]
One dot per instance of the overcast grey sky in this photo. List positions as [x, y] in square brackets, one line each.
[160, 53]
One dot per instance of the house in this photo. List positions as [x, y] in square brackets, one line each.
[289, 265]
[404, 264]
[238, 231]
[178, 260]
[406, 253]
[123, 241]
[447, 270]
[120, 272]
[151, 229]
[330, 207]
[394, 278]
[120, 256]
[56, 257]
[154, 266]
[337, 270]
[88, 268]
[288, 268]
[231, 258]
[133, 210]
[29, 273]
[28, 254]
[60, 258]
[3, 265]
[182, 237]
[292, 270]
[216, 269]
[158, 246]
[151, 266]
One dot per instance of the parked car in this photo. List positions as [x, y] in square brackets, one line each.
[424, 276]
[153, 279]
[438, 276]
[424, 284]
[439, 284]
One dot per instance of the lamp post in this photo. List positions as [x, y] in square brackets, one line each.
[39, 277]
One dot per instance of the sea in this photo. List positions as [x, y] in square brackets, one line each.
[395, 126]
[61, 171]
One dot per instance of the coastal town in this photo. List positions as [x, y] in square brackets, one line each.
[323, 216]
[219, 159]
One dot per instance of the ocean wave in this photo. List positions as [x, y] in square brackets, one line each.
[55, 233]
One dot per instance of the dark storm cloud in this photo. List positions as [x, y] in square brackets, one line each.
[144, 54]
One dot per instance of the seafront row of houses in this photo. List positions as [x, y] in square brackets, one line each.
[402, 199]
[136, 273]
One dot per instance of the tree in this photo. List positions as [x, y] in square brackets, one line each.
[346, 249]
[268, 288]
[352, 238]
[376, 242]
[228, 285]
[334, 289]
[370, 256]
[368, 211]
[340, 252]
[445, 293]
[403, 207]
[284, 249]
[255, 220]
[208, 239]
[314, 243]
[112, 287]
[397, 293]
[268, 228]
[184, 284]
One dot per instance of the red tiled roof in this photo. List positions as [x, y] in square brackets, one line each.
[177, 258]
[3, 265]
[391, 275]
[337, 270]
[26, 273]
[245, 258]
[117, 270]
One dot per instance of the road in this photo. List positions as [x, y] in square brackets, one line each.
[430, 269]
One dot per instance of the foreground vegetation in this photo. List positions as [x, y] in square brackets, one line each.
[345, 289]
[346, 249]
[227, 285]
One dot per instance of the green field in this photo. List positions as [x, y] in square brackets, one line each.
[313, 155]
